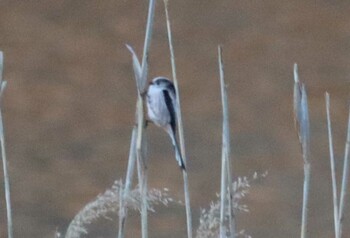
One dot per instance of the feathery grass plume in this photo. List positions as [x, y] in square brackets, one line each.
[58, 234]
[226, 177]
[345, 179]
[180, 126]
[109, 202]
[3, 155]
[140, 71]
[301, 116]
[332, 163]
[209, 221]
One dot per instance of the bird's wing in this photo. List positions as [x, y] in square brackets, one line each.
[169, 103]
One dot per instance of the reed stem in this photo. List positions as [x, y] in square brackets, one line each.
[128, 183]
[302, 123]
[345, 180]
[3, 156]
[180, 126]
[226, 174]
[332, 163]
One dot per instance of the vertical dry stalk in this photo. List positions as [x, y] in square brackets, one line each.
[345, 180]
[180, 126]
[147, 42]
[331, 157]
[3, 156]
[226, 177]
[131, 161]
[301, 115]
[128, 183]
[140, 151]
[141, 161]
[306, 156]
[122, 209]
[140, 71]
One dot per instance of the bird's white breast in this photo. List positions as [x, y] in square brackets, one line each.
[156, 106]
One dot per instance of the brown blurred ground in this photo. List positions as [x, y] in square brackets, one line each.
[69, 106]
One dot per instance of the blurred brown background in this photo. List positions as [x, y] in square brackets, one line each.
[69, 107]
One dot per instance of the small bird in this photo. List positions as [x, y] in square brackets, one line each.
[161, 107]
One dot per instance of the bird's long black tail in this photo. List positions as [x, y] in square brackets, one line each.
[178, 155]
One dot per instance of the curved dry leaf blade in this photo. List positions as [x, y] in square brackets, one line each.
[304, 120]
[296, 75]
[297, 100]
[136, 66]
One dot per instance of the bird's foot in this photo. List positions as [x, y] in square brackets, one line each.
[147, 122]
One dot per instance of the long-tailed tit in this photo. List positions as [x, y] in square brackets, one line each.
[161, 107]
